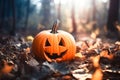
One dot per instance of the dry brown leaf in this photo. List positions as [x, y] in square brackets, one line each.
[83, 45]
[117, 42]
[106, 54]
[27, 50]
[95, 60]
[67, 77]
[29, 38]
[7, 68]
[79, 55]
[97, 75]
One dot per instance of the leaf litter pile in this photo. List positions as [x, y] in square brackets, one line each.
[94, 60]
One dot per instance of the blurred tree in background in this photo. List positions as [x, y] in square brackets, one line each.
[77, 17]
[113, 19]
[47, 12]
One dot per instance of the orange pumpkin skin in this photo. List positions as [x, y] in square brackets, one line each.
[58, 47]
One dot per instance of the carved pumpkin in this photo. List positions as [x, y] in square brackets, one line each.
[54, 45]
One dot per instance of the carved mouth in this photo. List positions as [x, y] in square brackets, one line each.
[55, 55]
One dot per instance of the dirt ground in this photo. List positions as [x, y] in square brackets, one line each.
[95, 59]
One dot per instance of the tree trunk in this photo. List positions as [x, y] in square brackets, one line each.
[94, 10]
[2, 14]
[59, 12]
[19, 10]
[94, 15]
[27, 15]
[13, 30]
[113, 16]
[74, 32]
[46, 14]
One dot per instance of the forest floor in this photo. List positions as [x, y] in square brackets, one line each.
[95, 59]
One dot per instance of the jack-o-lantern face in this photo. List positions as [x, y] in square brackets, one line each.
[58, 52]
[59, 46]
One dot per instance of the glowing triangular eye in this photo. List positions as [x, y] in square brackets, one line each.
[62, 43]
[47, 43]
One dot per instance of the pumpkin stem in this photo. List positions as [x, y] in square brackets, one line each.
[55, 26]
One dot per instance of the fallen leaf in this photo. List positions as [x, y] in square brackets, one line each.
[7, 67]
[97, 74]
[67, 77]
[79, 55]
[29, 38]
[106, 54]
